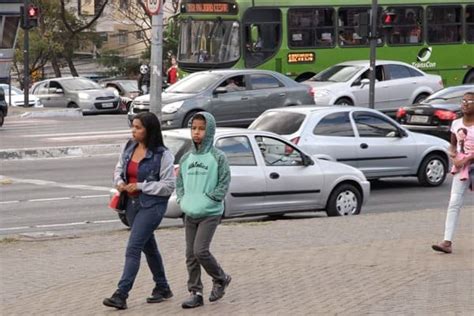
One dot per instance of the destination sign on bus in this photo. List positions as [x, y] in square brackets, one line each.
[294, 58]
[209, 7]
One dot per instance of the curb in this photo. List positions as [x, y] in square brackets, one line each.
[42, 112]
[59, 152]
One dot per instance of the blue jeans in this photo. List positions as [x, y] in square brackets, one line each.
[143, 223]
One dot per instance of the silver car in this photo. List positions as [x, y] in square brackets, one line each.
[363, 138]
[76, 92]
[272, 176]
[397, 84]
[234, 97]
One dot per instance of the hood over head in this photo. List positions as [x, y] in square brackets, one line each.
[208, 140]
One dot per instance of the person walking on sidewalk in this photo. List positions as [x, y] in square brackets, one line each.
[145, 171]
[201, 186]
[460, 185]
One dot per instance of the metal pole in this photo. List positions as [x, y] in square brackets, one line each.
[156, 62]
[26, 56]
[373, 49]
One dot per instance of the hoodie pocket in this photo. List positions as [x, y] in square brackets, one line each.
[199, 205]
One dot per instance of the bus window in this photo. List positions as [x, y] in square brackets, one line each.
[348, 27]
[9, 31]
[444, 24]
[311, 27]
[267, 24]
[470, 23]
[408, 26]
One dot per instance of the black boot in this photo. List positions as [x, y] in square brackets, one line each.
[218, 290]
[159, 295]
[118, 300]
[195, 300]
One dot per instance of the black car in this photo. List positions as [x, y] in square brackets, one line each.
[3, 106]
[434, 114]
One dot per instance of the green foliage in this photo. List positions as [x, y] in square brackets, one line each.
[119, 66]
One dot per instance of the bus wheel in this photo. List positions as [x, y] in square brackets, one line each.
[470, 77]
[344, 101]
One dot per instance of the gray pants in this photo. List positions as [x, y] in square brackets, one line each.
[199, 233]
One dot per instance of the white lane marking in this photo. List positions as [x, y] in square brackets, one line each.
[60, 225]
[80, 133]
[72, 138]
[57, 199]
[58, 184]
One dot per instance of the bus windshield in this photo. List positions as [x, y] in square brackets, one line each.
[337, 74]
[210, 42]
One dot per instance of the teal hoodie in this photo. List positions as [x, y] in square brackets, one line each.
[204, 176]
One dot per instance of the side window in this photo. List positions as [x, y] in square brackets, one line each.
[335, 124]
[235, 83]
[278, 153]
[53, 85]
[264, 82]
[348, 27]
[444, 24]
[414, 72]
[470, 23]
[372, 125]
[41, 88]
[238, 150]
[398, 71]
[311, 27]
[408, 26]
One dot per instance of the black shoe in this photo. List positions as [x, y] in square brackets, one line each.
[195, 300]
[118, 300]
[159, 295]
[218, 290]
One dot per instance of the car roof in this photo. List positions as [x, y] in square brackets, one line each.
[366, 62]
[307, 109]
[220, 131]
[226, 72]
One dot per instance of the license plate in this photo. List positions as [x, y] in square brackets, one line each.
[419, 119]
[107, 105]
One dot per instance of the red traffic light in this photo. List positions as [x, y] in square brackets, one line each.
[388, 19]
[33, 12]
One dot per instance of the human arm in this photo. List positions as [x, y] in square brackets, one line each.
[223, 171]
[167, 179]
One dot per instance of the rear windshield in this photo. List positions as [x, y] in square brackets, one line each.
[177, 145]
[279, 122]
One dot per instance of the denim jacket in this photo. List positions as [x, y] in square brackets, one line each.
[156, 178]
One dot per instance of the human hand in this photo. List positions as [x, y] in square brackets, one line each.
[121, 187]
[131, 187]
[459, 162]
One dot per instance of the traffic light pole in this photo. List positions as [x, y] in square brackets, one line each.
[26, 57]
[373, 49]
[156, 62]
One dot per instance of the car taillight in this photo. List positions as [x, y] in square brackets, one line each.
[295, 140]
[445, 115]
[401, 112]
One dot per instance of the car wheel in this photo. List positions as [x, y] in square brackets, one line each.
[187, 119]
[2, 118]
[343, 101]
[420, 98]
[432, 171]
[344, 200]
[123, 218]
[72, 105]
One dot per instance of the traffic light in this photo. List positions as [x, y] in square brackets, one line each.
[29, 19]
[388, 19]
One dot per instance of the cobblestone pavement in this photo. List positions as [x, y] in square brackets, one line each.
[374, 264]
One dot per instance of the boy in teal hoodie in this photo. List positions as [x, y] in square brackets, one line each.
[201, 186]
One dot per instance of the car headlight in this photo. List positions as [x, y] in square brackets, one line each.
[84, 96]
[172, 107]
[321, 93]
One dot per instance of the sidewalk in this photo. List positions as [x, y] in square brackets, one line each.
[376, 264]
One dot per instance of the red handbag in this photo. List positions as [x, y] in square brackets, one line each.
[118, 201]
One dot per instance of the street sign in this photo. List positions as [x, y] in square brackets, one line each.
[153, 6]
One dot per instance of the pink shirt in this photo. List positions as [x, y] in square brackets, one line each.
[464, 135]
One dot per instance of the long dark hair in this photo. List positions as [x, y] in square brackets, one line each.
[150, 122]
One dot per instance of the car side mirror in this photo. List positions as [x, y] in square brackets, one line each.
[307, 161]
[59, 91]
[364, 82]
[220, 90]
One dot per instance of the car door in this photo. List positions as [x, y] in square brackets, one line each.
[382, 150]
[56, 95]
[361, 91]
[232, 105]
[246, 191]
[331, 137]
[41, 91]
[290, 185]
[268, 91]
[401, 85]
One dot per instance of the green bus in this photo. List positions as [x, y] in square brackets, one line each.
[301, 38]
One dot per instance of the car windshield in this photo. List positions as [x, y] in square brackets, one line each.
[129, 85]
[194, 83]
[76, 84]
[279, 122]
[177, 145]
[338, 73]
[14, 90]
[449, 94]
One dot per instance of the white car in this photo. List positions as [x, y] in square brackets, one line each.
[397, 84]
[17, 97]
